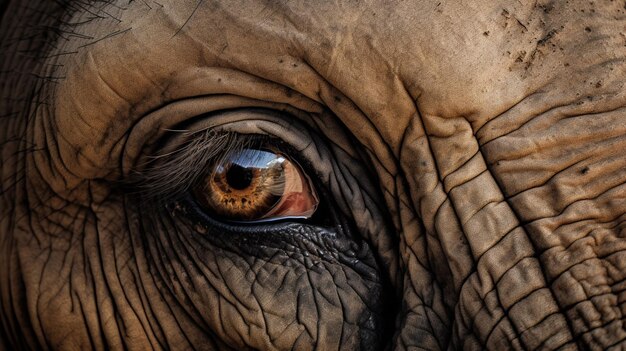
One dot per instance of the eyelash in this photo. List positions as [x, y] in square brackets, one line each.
[168, 177]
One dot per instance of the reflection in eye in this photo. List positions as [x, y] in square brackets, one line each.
[257, 185]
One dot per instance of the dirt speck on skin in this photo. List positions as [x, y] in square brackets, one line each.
[507, 16]
[546, 8]
[508, 19]
[585, 170]
[486, 33]
[587, 29]
[547, 37]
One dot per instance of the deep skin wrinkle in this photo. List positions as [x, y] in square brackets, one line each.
[492, 133]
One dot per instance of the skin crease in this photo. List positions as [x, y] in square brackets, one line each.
[495, 133]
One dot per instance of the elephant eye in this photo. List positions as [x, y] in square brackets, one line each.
[252, 185]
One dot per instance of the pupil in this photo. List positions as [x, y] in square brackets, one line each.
[239, 177]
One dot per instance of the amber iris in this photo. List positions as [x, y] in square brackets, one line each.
[257, 185]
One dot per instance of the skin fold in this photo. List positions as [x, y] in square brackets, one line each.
[470, 156]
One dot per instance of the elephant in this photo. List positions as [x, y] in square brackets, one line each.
[276, 175]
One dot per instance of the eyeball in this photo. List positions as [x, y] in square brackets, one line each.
[256, 185]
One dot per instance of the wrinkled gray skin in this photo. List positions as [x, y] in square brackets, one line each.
[472, 155]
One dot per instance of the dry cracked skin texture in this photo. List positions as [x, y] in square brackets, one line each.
[472, 155]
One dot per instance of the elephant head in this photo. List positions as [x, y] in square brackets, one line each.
[204, 174]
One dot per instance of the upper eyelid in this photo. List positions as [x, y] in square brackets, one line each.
[170, 145]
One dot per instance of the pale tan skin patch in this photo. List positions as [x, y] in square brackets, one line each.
[496, 132]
